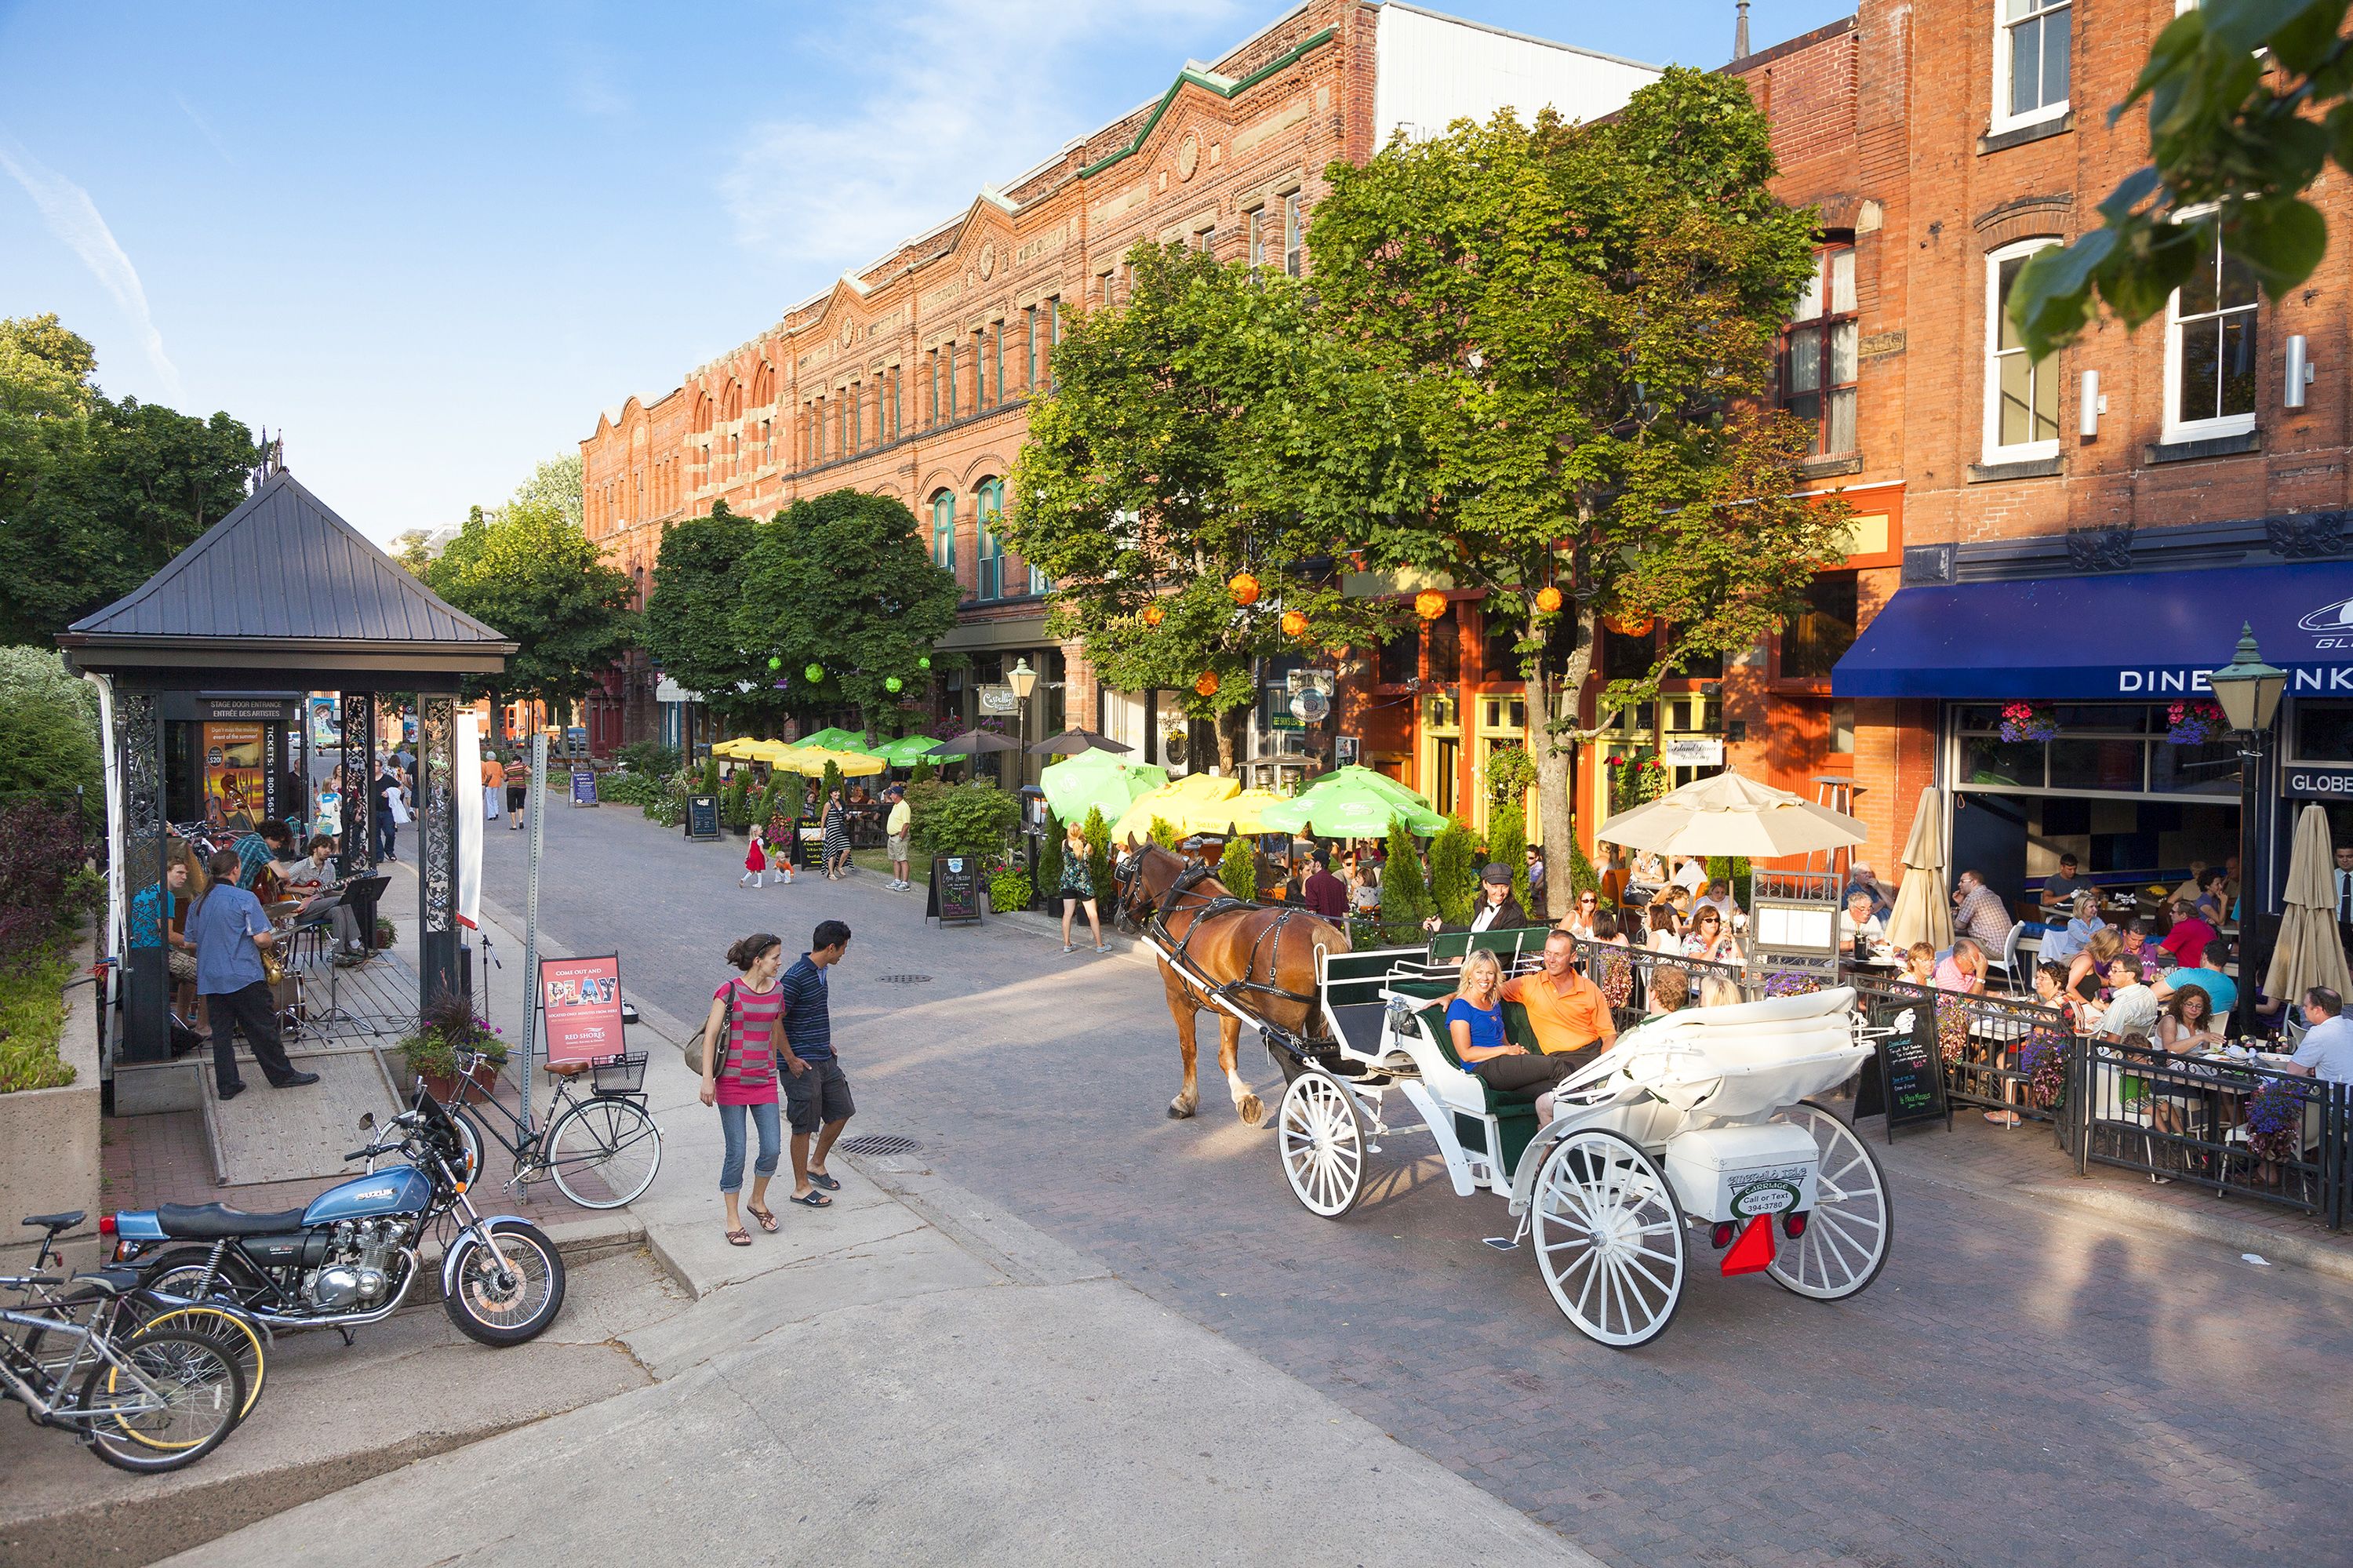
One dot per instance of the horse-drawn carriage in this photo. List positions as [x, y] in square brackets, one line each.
[1706, 1119]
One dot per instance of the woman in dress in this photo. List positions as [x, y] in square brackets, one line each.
[739, 1076]
[1474, 1020]
[330, 823]
[1709, 939]
[836, 837]
[1078, 888]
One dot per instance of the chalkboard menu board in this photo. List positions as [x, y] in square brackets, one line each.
[703, 816]
[1906, 1079]
[584, 786]
[956, 890]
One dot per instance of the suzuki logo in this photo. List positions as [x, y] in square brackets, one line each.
[2337, 617]
[379, 1192]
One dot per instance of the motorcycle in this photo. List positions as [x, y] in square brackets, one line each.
[350, 1257]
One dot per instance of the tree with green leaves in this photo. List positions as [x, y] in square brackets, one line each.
[1454, 874]
[690, 614]
[532, 574]
[1574, 325]
[841, 583]
[2248, 100]
[1147, 486]
[1507, 846]
[1238, 868]
[556, 484]
[1405, 896]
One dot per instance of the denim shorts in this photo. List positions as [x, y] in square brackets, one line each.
[818, 1096]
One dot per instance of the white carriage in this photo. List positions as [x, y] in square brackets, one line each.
[1705, 1121]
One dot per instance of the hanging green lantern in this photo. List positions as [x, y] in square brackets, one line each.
[892, 683]
[925, 662]
[775, 662]
[814, 673]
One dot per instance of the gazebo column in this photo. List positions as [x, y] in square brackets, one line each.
[437, 864]
[360, 804]
[147, 977]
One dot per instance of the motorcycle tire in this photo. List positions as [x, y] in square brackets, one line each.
[505, 1313]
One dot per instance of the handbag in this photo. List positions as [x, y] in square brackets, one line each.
[697, 1050]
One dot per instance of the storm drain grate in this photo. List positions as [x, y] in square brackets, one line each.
[881, 1143]
[904, 980]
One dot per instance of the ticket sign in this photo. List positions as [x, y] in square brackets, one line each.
[581, 1003]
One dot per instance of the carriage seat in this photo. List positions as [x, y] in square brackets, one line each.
[1464, 1092]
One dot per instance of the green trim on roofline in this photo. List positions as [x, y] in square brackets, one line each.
[1224, 87]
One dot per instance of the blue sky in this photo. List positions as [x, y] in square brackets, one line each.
[430, 243]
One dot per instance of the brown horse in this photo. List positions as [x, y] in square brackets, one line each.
[1259, 956]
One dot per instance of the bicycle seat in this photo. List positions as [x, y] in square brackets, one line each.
[54, 1222]
[205, 1221]
[111, 1281]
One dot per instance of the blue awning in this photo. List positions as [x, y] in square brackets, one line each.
[2108, 636]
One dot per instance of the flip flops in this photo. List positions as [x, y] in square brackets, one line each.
[739, 1238]
[767, 1219]
[814, 1201]
[820, 1179]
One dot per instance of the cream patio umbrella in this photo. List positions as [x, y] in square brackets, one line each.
[2308, 952]
[1922, 912]
[1732, 815]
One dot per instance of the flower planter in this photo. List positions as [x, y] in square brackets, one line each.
[444, 1086]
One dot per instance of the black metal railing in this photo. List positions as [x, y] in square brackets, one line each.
[2244, 1127]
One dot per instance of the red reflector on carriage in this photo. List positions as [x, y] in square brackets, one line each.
[1721, 1236]
[1753, 1253]
[1793, 1225]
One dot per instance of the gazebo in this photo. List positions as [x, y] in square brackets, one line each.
[278, 598]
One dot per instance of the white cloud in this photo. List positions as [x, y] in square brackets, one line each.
[74, 219]
[205, 128]
[945, 112]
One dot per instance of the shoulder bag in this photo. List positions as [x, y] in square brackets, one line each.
[699, 1049]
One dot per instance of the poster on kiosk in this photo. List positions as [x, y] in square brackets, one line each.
[582, 998]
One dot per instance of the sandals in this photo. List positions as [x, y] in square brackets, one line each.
[768, 1220]
[820, 1179]
[739, 1238]
[814, 1201]
[2002, 1118]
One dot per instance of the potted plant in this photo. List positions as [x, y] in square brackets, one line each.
[1008, 890]
[452, 1027]
[386, 933]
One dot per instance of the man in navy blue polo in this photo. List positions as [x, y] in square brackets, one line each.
[228, 927]
[816, 1094]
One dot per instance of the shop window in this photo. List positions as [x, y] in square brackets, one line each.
[988, 505]
[2021, 393]
[2324, 732]
[1029, 341]
[1257, 238]
[1446, 649]
[1294, 237]
[1400, 659]
[2032, 46]
[1819, 352]
[1499, 647]
[2209, 369]
[1816, 636]
[1842, 736]
[944, 532]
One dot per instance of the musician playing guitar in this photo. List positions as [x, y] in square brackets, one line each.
[314, 875]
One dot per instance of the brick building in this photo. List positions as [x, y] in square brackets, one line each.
[911, 376]
[2085, 534]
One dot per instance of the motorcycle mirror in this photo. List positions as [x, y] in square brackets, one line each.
[367, 1121]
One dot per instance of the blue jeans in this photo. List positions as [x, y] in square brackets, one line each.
[772, 1143]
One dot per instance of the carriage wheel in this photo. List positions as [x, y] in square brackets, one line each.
[1845, 1242]
[1321, 1132]
[1609, 1238]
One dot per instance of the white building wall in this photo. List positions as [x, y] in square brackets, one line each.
[1432, 69]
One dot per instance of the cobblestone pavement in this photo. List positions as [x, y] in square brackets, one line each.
[2019, 1386]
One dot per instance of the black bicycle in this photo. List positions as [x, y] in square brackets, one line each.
[602, 1150]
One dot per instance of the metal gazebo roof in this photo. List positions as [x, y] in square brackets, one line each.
[284, 583]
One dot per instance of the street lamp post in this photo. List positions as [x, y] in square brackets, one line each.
[2249, 692]
[1024, 681]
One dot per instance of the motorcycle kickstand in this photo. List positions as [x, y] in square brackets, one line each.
[351, 1336]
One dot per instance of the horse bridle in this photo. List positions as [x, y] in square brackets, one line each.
[1128, 869]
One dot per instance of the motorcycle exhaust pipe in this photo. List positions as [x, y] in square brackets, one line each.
[347, 1319]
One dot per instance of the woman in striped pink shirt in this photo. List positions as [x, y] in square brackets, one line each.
[740, 1078]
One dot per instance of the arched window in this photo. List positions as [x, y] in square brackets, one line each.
[944, 531]
[989, 506]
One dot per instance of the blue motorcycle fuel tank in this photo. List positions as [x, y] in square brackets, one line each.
[402, 1190]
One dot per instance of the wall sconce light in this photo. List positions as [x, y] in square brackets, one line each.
[2299, 371]
[2087, 417]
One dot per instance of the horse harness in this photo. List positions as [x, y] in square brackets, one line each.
[1269, 941]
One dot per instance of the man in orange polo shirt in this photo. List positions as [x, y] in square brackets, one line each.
[1566, 1011]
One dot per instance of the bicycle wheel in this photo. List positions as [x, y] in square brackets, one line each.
[603, 1152]
[191, 1399]
[233, 1331]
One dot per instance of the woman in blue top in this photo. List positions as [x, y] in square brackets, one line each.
[1475, 1020]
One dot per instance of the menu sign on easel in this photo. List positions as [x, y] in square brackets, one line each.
[702, 817]
[1905, 1080]
[956, 890]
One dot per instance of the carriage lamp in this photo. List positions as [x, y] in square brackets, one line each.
[1022, 679]
[2247, 688]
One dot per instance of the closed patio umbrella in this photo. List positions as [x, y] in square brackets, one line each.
[2309, 952]
[1071, 742]
[1922, 912]
[969, 743]
[1732, 815]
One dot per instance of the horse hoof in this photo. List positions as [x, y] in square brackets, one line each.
[1178, 1110]
[1252, 1109]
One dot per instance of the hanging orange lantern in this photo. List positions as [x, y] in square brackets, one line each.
[1244, 587]
[1429, 604]
[1206, 684]
[1548, 600]
[1633, 626]
[1294, 623]
[1152, 614]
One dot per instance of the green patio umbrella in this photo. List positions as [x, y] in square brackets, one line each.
[904, 751]
[1350, 809]
[836, 740]
[1097, 780]
[1355, 774]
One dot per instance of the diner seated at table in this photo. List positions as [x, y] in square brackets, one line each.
[1963, 968]
[1858, 929]
[1717, 991]
[2087, 971]
[2207, 976]
[2132, 1007]
[2082, 921]
[2140, 937]
[1666, 932]
[2326, 1050]
[1717, 897]
[1669, 991]
[2214, 902]
[2187, 941]
[1708, 940]
[2187, 1023]
[2050, 990]
[2061, 892]
[1979, 914]
[2192, 885]
[1920, 964]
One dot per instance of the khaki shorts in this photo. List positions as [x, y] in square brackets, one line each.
[895, 847]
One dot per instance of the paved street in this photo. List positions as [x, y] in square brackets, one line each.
[2019, 1386]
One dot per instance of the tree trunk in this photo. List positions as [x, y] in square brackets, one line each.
[1232, 731]
[1551, 701]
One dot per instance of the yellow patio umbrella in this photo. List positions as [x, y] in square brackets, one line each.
[1236, 813]
[811, 760]
[2308, 952]
[733, 748]
[1176, 804]
[769, 751]
[1922, 912]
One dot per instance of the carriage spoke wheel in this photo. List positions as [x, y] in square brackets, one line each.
[1322, 1136]
[1845, 1243]
[1609, 1238]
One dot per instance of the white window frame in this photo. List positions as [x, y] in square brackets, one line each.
[2174, 428]
[2002, 119]
[2023, 451]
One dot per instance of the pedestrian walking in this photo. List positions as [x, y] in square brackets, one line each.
[755, 858]
[229, 930]
[895, 827]
[739, 1076]
[816, 1092]
[391, 810]
[836, 837]
[494, 785]
[1079, 887]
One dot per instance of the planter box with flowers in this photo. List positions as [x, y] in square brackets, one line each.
[2031, 722]
[2195, 724]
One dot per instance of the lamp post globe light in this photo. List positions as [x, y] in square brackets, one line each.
[1024, 681]
[2248, 691]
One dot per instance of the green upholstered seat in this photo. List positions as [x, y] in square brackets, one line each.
[1514, 1114]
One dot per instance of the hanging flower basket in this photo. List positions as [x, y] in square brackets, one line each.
[2031, 722]
[2044, 1060]
[2195, 724]
[2275, 1123]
